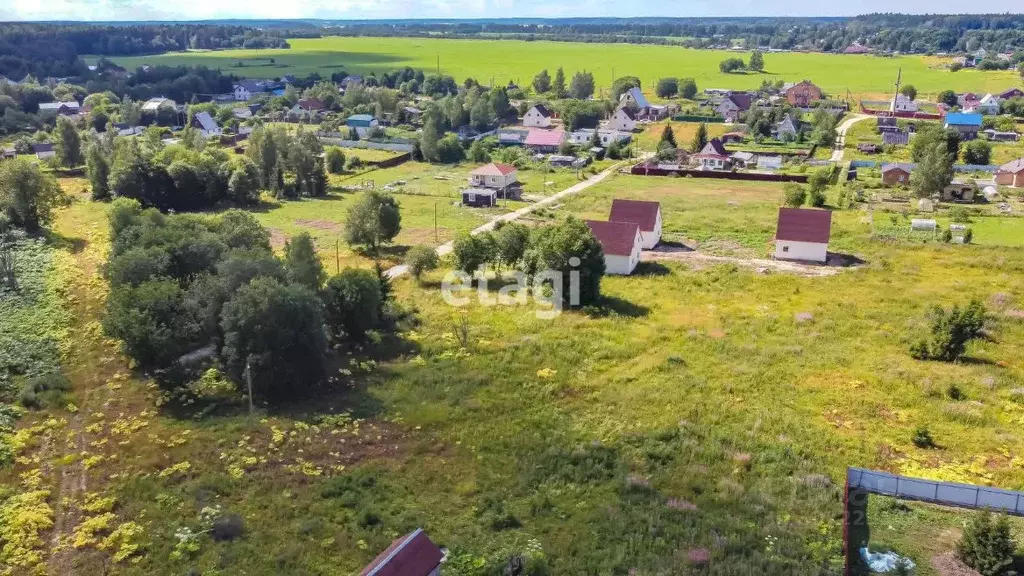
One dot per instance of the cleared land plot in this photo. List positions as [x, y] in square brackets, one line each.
[683, 131]
[487, 59]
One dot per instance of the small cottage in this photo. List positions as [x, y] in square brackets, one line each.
[479, 197]
[733, 105]
[537, 117]
[623, 120]
[645, 214]
[786, 129]
[967, 125]
[713, 156]
[743, 159]
[206, 124]
[44, 151]
[621, 243]
[958, 191]
[502, 178]
[362, 123]
[803, 93]
[803, 234]
[896, 174]
[886, 124]
[545, 141]
[411, 555]
[1011, 173]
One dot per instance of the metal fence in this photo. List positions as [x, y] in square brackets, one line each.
[936, 492]
[956, 167]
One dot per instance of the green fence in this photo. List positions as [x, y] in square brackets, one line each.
[688, 118]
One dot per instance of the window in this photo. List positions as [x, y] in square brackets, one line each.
[785, 248]
[470, 197]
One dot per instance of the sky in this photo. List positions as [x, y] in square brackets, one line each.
[86, 10]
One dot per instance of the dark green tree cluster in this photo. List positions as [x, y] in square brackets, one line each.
[290, 165]
[28, 195]
[182, 283]
[987, 545]
[567, 247]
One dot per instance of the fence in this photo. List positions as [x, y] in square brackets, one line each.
[901, 114]
[645, 170]
[367, 144]
[956, 167]
[692, 118]
[936, 492]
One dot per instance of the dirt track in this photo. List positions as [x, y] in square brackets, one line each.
[682, 254]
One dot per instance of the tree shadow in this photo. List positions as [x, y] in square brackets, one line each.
[60, 241]
[841, 260]
[651, 269]
[614, 306]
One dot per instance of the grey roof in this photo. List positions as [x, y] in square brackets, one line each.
[896, 137]
[252, 85]
[638, 97]
[904, 166]
[206, 122]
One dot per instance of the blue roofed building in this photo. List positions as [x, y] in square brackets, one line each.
[967, 125]
[362, 123]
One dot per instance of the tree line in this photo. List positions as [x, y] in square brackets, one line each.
[887, 32]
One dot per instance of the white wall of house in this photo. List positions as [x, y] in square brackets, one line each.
[624, 265]
[241, 94]
[45, 155]
[652, 237]
[496, 182]
[808, 251]
[622, 122]
[535, 119]
[712, 163]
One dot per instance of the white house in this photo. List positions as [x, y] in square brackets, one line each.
[803, 234]
[246, 89]
[623, 120]
[646, 215]
[713, 156]
[154, 104]
[206, 124]
[493, 176]
[988, 106]
[537, 117]
[621, 243]
[44, 151]
[902, 103]
[586, 135]
[786, 128]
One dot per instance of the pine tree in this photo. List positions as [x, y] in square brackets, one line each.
[668, 137]
[987, 546]
[700, 138]
[559, 83]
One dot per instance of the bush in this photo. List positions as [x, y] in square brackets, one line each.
[950, 332]
[923, 438]
[987, 546]
[960, 215]
[420, 259]
[816, 198]
[335, 160]
[353, 301]
[228, 527]
[955, 393]
[49, 390]
[796, 195]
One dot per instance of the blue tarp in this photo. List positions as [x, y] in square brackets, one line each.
[883, 562]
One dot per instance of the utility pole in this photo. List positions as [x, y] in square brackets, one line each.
[248, 383]
[435, 220]
[337, 256]
[438, 64]
[899, 77]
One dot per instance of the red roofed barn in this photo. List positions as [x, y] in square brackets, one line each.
[803, 234]
[621, 243]
[1011, 174]
[411, 555]
[646, 215]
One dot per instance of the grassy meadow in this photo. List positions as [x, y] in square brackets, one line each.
[488, 60]
[700, 420]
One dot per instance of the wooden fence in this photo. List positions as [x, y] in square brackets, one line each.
[645, 170]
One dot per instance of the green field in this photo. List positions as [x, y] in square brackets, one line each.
[504, 60]
[702, 410]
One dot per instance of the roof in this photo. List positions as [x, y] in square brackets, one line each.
[1013, 166]
[640, 212]
[713, 148]
[856, 48]
[493, 169]
[206, 122]
[896, 137]
[155, 103]
[542, 110]
[629, 113]
[804, 225]
[311, 104]
[411, 555]
[360, 120]
[743, 156]
[251, 85]
[44, 147]
[742, 100]
[902, 166]
[638, 97]
[412, 110]
[545, 138]
[72, 104]
[801, 83]
[480, 191]
[960, 119]
[1011, 93]
[616, 238]
[886, 121]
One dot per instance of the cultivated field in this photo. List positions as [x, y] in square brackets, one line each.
[704, 410]
[504, 60]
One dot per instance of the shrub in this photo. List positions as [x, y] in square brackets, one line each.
[816, 197]
[420, 259]
[228, 527]
[796, 195]
[353, 301]
[950, 332]
[960, 215]
[987, 546]
[955, 393]
[923, 438]
[48, 390]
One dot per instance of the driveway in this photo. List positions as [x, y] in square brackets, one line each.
[837, 154]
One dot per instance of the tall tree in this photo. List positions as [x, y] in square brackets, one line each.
[688, 88]
[67, 143]
[352, 299]
[98, 169]
[373, 220]
[542, 82]
[582, 85]
[933, 172]
[433, 130]
[756, 61]
[668, 137]
[27, 194]
[700, 138]
[909, 91]
[977, 152]
[559, 83]
[303, 263]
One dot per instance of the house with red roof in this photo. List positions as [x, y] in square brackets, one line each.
[645, 214]
[546, 141]
[713, 156]
[621, 243]
[803, 234]
[856, 48]
[500, 177]
[411, 555]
